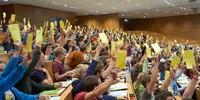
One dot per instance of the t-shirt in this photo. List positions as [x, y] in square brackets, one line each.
[58, 67]
[145, 95]
[38, 76]
[81, 96]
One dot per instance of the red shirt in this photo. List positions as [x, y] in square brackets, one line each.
[81, 96]
[58, 67]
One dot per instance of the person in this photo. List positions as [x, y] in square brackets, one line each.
[11, 74]
[59, 70]
[92, 90]
[40, 74]
[29, 86]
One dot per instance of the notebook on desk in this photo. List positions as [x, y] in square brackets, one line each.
[118, 87]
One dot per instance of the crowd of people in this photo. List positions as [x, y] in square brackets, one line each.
[77, 52]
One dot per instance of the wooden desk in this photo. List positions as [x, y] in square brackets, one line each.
[130, 90]
[67, 94]
[4, 58]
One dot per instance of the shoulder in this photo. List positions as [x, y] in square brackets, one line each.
[80, 96]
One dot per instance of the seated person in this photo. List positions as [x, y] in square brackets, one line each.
[59, 71]
[40, 74]
[11, 74]
[92, 90]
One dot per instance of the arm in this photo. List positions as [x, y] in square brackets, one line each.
[22, 96]
[10, 66]
[167, 82]
[40, 87]
[190, 89]
[48, 79]
[153, 78]
[9, 81]
[99, 90]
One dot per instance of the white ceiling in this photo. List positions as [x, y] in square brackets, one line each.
[126, 8]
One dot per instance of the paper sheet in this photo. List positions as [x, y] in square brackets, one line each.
[121, 58]
[176, 61]
[15, 32]
[113, 46]
[39, 36]
[156, 48]
[103, 38]
[54, 98]
[188, 57]
[118, 86]
[12, 17]
[145, 66]
[120, 42]
[118, 93]
[29, 42]
[148, 51]
[167, 73]
[62, 25]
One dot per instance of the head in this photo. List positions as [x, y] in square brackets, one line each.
[41, 61]
[164, 95]
[99, 68]
[74, 58]
[89, 85]
[59, 53]
[2, 66]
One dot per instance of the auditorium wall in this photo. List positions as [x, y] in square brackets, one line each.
[186, 27]
[37, 14]
[101, 21]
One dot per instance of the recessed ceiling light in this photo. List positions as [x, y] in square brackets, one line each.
[55, 3]
[5, 0]
[137, 4]
[99, 4]
[167, 2]
[97, 11]
[65, 5]
[73, 7]
[144, 16]
[182, 8]
[122, 15]
[126, 20]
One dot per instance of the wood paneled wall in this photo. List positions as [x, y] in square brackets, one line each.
[186, 27]
[37, 14]
[101, 21]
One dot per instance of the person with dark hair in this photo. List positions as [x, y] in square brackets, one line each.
[164, 95]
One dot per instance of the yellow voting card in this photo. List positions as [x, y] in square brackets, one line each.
[62, 25]
[113, 46]
[15, 32]
[52, 25]
[39, 36]
[29, 24]
[156, 48]
[103, 38]
[188, 57]
[121, 59]
[167, 73]
[120, 42]
[148, 51]
[12, 17]
[29, 42]
[4, 15]
[176, 61]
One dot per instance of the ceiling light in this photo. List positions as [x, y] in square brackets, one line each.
[99, 4]
[182, 8]
[73, 7]
[122, 15]
[65, 5]
[55, 3]
[5, 0]
[144, 16]
[167, 2]
[126, 20]
[137, 4]
[97, 11]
